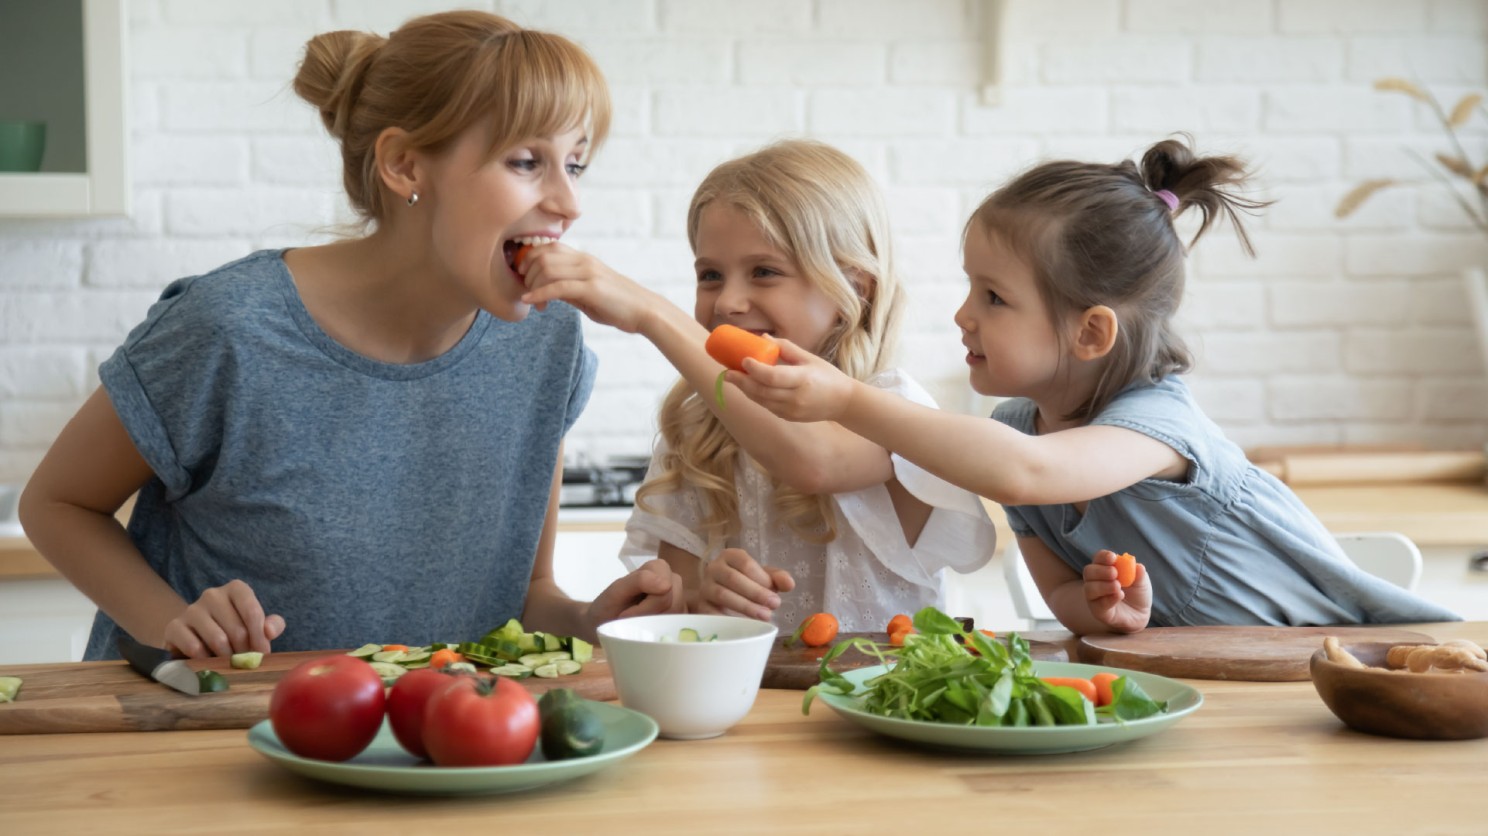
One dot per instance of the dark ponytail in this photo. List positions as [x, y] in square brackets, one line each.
[1208, 184]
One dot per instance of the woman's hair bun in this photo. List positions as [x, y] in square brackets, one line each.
[331, 74]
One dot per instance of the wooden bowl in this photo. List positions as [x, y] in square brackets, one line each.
[1422, 706]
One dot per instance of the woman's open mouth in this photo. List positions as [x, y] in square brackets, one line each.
[518, 249]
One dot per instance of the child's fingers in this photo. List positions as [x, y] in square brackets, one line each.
[250, 615]
[1104, 557]
[744, 564]
[730, 601]
[273, 627]
[211, 638]
[781, 580]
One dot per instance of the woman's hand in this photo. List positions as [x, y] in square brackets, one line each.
[652, 589]
[735, 584]
[803, 388]
[556, 271]
[1122, 610]
[225, 620]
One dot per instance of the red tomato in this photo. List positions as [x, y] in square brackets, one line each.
[406, 702]
[481, 722]
[329, 708]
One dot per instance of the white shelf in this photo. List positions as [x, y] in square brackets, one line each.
[104, 188]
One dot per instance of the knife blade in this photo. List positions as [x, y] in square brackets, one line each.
[159, 665]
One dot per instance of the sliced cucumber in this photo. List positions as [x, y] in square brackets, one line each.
[247, 661]
[567, 667]
[508, 632]
[366, 651]
[211, 681]
[687, 634]
[389, 671]
[461, 666]
[9, 687]
[513, 671]
[389, 655]
[581, 650]
[529, 643]
[549, 671]
[570, 729]
[551, 642]
[413, 657]
[534, 660]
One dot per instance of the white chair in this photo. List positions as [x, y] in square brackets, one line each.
[1384, 554]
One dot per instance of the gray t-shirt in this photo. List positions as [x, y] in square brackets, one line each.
[1231, 545]
[363, 501]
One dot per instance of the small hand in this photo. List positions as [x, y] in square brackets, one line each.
[1123, 610]
[557, 271]
[803, 387]
[736, 584]
[651, 589]
[225, 620]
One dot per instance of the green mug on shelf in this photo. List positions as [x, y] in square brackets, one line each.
[22, 144]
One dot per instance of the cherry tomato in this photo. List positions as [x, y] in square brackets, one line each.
[406, 702]
[329, 708]
[481, 721]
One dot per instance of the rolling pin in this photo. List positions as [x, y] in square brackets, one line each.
[1359, 468]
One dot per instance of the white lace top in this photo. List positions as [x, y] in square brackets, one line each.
[864, 576]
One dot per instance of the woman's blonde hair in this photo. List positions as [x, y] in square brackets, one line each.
[820, 208]
[439, 74]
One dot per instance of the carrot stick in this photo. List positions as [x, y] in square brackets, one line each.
[730, 345]
[1103, 692]
[1126, 570]
[1084, 686]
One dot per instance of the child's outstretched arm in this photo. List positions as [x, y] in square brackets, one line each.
[812, 458]
[1093, 602]
[985, 457]
[68, 512]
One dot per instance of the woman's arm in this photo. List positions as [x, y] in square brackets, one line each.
[67, 510]
[653, 588]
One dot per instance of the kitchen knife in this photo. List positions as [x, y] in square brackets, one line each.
[159, 665]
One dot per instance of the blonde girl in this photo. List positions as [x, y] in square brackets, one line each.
[759, 516]
[360, 441]
[1075, 270]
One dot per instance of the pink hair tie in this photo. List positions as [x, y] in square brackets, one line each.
[1168, 198]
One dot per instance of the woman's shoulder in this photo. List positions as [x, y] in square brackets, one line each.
[213, 302]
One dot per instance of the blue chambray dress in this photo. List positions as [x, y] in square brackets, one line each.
[1232, 545]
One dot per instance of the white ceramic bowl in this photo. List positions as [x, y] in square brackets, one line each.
[692, 690]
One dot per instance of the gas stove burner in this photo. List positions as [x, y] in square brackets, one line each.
[610, 484]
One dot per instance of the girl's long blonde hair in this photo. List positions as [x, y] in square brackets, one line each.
[439, 74]
[821, 209]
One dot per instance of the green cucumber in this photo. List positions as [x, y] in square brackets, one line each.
[389, 655]
[413, 657]
[568, 667]
[529, 643]
[582, 651]
[389, 671]
[687, 634]
[512, 670]
[534, 660]
[570, 728]
[9, 687]
[551, 642]
[248, 660]
[366, 651]
[508, 632]
[211, 681]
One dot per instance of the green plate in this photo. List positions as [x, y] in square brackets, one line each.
[1027, 740]
[384, 765]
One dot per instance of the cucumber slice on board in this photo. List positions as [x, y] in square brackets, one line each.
[366, 651]
[9, 687]
[247, 661]
[389, 671]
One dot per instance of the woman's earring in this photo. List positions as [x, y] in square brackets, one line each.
[413, 199]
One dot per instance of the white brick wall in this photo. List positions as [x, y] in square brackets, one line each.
[1340, 332]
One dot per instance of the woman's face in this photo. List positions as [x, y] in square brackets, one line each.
[745, 281]
[482, 209]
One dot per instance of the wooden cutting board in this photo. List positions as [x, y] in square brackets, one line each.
[798, 668]
[1247, 654]
[111, 697]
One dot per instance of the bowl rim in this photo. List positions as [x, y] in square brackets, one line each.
[768, 631]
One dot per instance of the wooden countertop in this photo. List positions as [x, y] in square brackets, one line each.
[1257, 757]
[1431, 514]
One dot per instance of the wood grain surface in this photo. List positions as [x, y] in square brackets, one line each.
[1248, 654]
[111, 697]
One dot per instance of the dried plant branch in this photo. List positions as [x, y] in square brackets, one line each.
[1474, 214]
[1462, 111]
[1360, 193]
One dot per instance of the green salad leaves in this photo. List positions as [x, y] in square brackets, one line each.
[936, 679]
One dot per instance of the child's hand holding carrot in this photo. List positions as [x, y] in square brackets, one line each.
[802, 387]
[559, 272]
[1123, 609]
[736, 584]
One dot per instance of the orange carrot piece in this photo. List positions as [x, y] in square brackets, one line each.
[819, 629]
[520, 256]
[730, 345]
[1084, 686]
[899, 622]
[444, 657]
[1126, 570]
[1103, 693]
[395, 647]
[897, 639]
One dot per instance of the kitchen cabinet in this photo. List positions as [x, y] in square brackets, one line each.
[65, 63]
